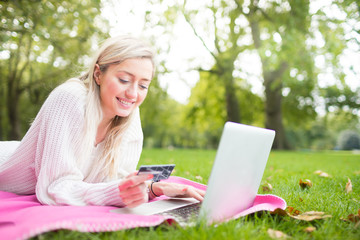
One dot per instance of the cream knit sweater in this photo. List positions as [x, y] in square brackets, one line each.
[44, 162]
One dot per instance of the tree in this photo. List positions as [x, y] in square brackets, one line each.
[41, 42]
[277, 30]
[287, 25]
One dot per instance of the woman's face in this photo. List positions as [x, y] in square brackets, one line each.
[123, 86]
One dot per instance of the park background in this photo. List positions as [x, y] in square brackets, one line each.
[291, 66]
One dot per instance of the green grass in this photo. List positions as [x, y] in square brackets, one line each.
[283, 172]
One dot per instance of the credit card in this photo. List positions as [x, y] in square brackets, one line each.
[160, 172]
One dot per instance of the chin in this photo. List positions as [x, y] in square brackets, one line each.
[124, 114]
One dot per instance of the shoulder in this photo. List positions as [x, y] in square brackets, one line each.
[67, 99]
[73, 92]
[72, 88]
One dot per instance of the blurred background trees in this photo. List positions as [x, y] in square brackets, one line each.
[306, 54]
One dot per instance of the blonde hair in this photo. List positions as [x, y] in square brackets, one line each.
[113, 51]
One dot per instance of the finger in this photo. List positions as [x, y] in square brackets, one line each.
[138, 179]
[136, 203]
[134, 180]
[193, 193]
[132, 174]
[129, 200]
[201, 192]
[133, 190]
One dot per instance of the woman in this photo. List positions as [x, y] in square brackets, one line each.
[85, 143]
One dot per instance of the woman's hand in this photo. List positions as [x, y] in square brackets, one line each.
[177, 190]
[133, 189]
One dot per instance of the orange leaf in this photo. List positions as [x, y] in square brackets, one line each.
[353, 218]
[279, 211]
[293, 211]
[305, 184]
[267, 187]
[310, 229]
[348, 187]
[275, 234]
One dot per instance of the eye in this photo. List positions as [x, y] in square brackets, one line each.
[143, 87]
[123, 80]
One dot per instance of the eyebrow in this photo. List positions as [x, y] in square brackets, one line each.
[132, 75]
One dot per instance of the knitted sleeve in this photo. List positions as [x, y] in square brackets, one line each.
[59, 180]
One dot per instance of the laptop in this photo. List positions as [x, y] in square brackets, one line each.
[234, 180]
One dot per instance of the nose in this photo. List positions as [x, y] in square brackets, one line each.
[131, 91]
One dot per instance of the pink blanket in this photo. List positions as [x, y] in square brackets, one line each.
[22, 217]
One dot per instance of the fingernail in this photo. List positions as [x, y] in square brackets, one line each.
[150, 176]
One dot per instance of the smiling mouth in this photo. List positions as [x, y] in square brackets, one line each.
[124, 102]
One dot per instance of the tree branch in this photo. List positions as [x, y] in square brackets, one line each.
[197, 35]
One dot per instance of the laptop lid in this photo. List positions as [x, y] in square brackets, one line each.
[235, 178]
[237, 171]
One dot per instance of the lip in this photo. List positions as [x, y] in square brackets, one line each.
[125, 103]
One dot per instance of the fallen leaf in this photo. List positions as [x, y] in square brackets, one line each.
[269, 178]
[305, 184]
[275, 234]
[280, 212]
[322, 174]
[306, 216]
[353, 218]
[357, 172]
[199, 178]
[357, 225]
[292, 211]
[300, 199]
[267, 187]
[348, 187]
[311, 216]
[309, 229]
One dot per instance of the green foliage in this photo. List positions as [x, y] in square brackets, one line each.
[349, 140]
[205, 114]
[160, 118]
[323, 132]
[42, 44]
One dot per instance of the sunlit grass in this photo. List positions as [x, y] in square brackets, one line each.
[283, 172]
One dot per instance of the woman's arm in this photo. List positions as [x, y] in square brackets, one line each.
[59, 178]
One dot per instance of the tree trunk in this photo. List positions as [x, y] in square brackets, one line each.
[273, 86]
[232, 103]
[13, 112]
[273, 106]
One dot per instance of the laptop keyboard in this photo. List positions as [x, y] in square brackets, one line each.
[184, 214]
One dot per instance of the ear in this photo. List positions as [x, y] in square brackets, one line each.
[97, 73]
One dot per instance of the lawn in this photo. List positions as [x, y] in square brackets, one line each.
[283, 172]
